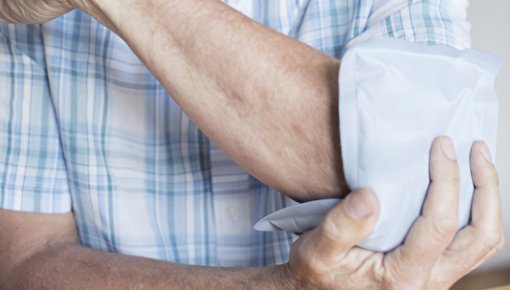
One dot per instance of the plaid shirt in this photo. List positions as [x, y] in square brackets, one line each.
[85, 127]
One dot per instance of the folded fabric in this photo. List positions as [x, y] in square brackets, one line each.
[396, 97]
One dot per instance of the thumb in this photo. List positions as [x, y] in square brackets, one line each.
[346, 225]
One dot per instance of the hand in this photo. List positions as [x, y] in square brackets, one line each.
[31, 11]
[433, 256]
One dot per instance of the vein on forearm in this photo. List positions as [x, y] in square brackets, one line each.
[71, 266]
[270, 102]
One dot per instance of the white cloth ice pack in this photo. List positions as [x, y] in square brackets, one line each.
[396, 97]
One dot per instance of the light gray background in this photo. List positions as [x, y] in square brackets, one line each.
[490, 20]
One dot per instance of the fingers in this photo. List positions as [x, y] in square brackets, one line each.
[486, 202]
[484, 236]
[320, 256]
[345, 226]
[434, 230]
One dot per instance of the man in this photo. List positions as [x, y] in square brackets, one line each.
[93, 144]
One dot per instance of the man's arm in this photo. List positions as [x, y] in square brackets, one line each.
[43, 252]
[270, 102]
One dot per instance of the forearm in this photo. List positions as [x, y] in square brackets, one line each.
[32, 11]
[76, 267]
[268, 101]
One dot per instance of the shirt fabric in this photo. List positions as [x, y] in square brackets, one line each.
[85, 127]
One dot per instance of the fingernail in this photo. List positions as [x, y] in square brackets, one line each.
[359, 205]
[485, 152]
[448, 149]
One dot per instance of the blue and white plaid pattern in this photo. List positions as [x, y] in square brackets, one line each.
[85, 127]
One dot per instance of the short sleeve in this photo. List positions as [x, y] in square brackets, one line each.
[32, 168]
[433, 22]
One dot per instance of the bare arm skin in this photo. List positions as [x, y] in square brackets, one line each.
[263, 90]
[43, 252]
[32, 11]
[270, 102]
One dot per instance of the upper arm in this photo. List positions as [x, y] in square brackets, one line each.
[25, 234]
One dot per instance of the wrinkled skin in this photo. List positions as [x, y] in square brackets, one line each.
[33, 11]
[434, 255]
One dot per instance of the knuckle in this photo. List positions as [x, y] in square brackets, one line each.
[444, 228]
[301, 258]
[492, 176]
[493, 242]
[499, 240]
[502, 243]
[310, 267]
[392, 279]
[496, 177]
[496, 239]
[364, 191]
[329, 228]
[379, 272]
[393, 283]
[451, 174]
[454, 179]
[449, 180]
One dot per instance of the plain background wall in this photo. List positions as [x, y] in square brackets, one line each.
[490, 20]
